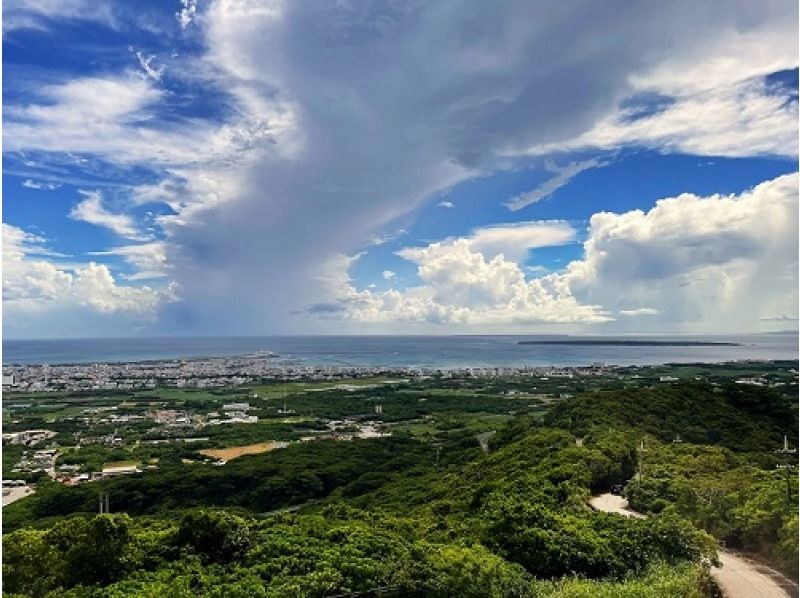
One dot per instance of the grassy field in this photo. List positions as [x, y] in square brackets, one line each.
[479, 422]
[278, 390]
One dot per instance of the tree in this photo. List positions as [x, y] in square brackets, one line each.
[216, 536]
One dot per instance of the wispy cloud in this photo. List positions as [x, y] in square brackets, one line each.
[563, 175]
[42, 186]
[148, 259]
[317, 150]
[384, 238]
[639, 311]
[146, 62]
[92, 210]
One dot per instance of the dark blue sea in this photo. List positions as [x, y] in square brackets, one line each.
[402, 351]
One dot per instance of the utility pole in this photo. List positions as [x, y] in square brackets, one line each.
[787, 466]
[103, 501]
[640, 453]
[438, 451]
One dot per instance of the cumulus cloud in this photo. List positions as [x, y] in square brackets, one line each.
[462, 287]
[414, 101]
[689, 261]
[717, 262]
[187, 13]
[92, 210]
[348, 127]
[37, 290]
[389, 275]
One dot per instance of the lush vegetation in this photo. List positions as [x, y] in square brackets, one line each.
[747, 506]
[731, 485]
[433, 515]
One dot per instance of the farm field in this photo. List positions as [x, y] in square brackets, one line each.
[232, 452]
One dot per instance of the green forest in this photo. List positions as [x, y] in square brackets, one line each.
[437, 516]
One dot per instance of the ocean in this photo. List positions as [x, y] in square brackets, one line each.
[409, 351]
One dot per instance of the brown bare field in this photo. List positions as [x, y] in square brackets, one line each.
[226, 454]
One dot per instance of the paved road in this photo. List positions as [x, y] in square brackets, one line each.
[738, 577]
[15, 494]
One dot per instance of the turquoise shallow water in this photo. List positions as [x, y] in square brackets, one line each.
[402, 351]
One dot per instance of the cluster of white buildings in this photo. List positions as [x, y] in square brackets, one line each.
[347, 429]
[235, 371]
[27, 437]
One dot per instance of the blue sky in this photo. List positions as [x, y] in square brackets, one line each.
[233, 167]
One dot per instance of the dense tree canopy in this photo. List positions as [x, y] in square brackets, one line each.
[405, 517]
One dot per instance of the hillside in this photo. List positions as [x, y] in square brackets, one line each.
[404, 517]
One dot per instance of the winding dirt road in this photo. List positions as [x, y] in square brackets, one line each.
[738, 577]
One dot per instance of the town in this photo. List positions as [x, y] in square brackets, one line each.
[222, 372]
[78, 423]
[232, 371]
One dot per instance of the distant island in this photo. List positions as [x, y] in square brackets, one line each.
[629, 343]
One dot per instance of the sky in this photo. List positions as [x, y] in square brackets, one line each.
[245, 167]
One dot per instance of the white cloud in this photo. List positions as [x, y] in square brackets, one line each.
[703, 263]
[434, 97]
[387, 237]
[349, 127]
[462, 287]
[37, 14]
[563, 175]
[148, 259]
[31, 184]
[734, 121]
[187, 13]
[389, 275]
[639, 311]
[514, 241]
[115, 118]
[34, 287]
[91, 210]
[735, 51]
[446, 204]
[690, 263]
[149, 71]
[90, 115]
[746, 118]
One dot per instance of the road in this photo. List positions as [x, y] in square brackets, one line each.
[15, 494]
[483, 440]
[738, 577]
